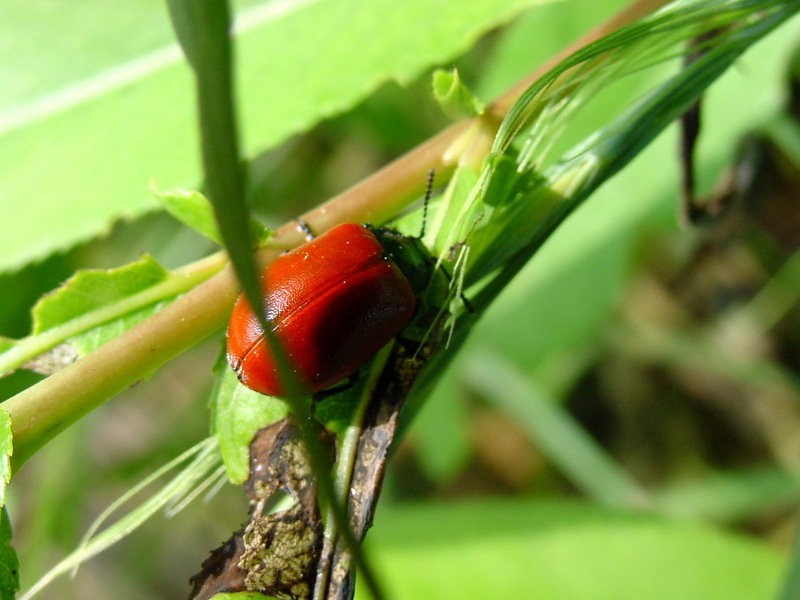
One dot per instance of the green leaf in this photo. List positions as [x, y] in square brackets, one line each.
[336, 412]
[237, 414]
[97, 336]
[455, 99]
[452, 221]
[6, 449]
[536, 36]
[194, 210]
[95, 291]
[9, 562]
[35, 72]
[94, 306]
[91, 290]
[568, 292]
[561, 550]
[441, 431]
[113, 111]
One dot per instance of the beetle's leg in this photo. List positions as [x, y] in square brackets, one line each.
[464, 300]
[338, 388]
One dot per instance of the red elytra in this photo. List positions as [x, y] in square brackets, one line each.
[333, 303]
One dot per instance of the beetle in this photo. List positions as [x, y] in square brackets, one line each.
[333, 303]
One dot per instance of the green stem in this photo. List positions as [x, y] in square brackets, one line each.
[343, 474]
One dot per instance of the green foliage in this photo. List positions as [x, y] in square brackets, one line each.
[9, 563]
[555, 432]
[92, 290]
[562, 550]
[96, 305]
[792, 582]
[456, 100]
[203, 29]
[199, 465]
[544, 330]
[195, 211]
[544, 106]
[237, 413]
[125, 105]
[6, 449]
[440, 431]
[337, 412]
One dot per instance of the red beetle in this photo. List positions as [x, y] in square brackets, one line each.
[333, 303]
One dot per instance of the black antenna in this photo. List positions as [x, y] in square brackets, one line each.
[425, 200]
